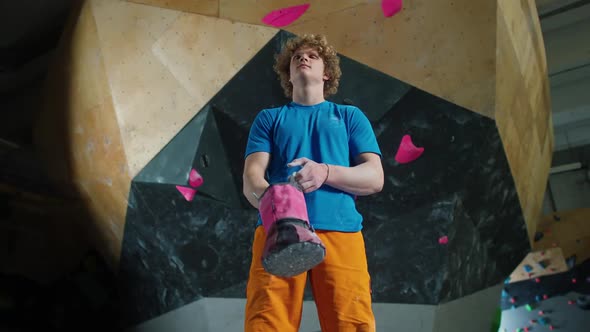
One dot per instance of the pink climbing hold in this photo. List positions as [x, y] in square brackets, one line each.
[195, 179]
[407, 151]
[188, 193]
[391, 7]
[285, 16]
[443, 240]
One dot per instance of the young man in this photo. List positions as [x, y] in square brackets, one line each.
[335, 153]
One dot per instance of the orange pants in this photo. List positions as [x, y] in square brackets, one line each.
[340, 285]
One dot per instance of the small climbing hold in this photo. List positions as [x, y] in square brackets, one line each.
[285, 16]
[545, 296]
[529, 307]
[407, 151]
[513, 299]
[574, 280]
[537, 280]
[505, 293]
[528, 268]
[533, 321]
[556, 217]
[538, 236]
[195, 179]
[391, 7]
[551, 327]
[541, 313]
[187, 193]
[570, 302]
[538, 298]
[443, 240]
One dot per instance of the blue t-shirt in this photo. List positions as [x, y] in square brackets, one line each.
[325, 133]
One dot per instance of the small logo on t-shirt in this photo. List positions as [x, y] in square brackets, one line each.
[334, 120]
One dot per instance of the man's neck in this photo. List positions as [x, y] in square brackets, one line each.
[309, 95]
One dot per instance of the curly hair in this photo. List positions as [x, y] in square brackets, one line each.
[325, 51]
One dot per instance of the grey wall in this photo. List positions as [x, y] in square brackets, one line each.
[471, 313]
[566, 33]
[567, 191]
[571, 190]
[227, 315]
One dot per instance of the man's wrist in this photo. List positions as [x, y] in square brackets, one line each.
[327, 173]
[258, 192]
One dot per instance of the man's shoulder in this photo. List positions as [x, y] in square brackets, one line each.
[351, 112]
[269, 113]
[273, 110]
[345, 106]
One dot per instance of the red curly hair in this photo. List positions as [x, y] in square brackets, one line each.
[328, 54]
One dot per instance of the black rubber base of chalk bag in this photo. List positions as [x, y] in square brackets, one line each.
[294, 259]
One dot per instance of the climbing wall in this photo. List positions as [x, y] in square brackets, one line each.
[497, 68]
[567, 230]
[150, 105]
[79, 136]
[559, 302]
[523, 105]
[440, 47]
[448, 197]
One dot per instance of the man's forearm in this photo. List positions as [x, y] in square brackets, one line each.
[361, 180]
[254, 185]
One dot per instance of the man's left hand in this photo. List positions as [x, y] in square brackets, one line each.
[311, 176]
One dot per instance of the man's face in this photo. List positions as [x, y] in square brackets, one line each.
[307, 66]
